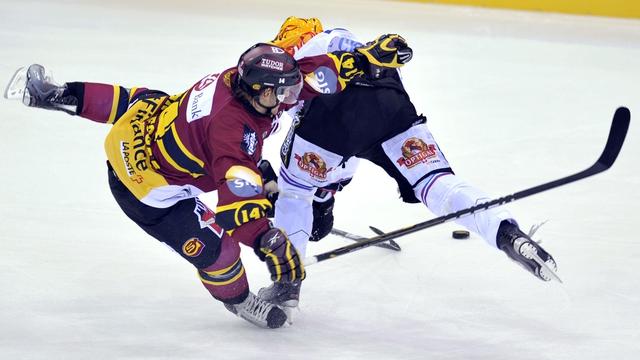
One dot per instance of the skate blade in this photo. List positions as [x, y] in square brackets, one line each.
[288, 310]
[544, 267]
[17, 84]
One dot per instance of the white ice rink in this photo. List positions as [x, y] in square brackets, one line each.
[514, 99]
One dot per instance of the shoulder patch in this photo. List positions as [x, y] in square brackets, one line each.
[249, 142]
[201, 98]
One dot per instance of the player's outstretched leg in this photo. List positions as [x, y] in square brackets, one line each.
[42, 92]
[526, 252]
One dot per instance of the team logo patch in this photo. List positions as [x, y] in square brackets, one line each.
[192, 247]
[249, 141]
[415, 151]
[313, 164]
[207, 218]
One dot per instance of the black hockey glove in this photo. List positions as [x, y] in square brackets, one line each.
[282, 258]
[322, 219]
[387, 52]
[270, 184]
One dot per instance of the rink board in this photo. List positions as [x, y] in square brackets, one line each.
[614, 8]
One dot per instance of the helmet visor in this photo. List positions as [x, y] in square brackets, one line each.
[289, 94]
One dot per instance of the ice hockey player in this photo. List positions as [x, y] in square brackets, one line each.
[374, 119]
[163, 151]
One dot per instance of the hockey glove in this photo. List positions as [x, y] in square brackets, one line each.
[387, 51]
[282, 258]
[322, 219]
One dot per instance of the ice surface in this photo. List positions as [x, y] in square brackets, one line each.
[513, 98]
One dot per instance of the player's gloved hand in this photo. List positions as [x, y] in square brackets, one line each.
[322, 219]
[282, 258]
[387, 51]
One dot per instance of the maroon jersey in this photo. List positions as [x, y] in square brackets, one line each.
[202, 140]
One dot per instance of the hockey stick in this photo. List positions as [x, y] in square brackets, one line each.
[392, 245]
[617, 133]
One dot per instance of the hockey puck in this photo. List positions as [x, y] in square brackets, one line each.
[460, 234]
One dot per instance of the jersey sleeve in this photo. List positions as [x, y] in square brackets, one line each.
[242, 205]
[327, 73]
[103, 103]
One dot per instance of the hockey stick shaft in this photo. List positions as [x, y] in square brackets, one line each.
[617, 134]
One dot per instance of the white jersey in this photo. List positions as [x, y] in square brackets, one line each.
[414, 155]
[328, 41]
[297, 198]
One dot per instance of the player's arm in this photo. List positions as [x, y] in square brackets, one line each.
[326, 74]
[242, 206]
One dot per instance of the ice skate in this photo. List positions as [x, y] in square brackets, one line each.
[285, 294]
[528, 253]
[259, 312]
[37, 88]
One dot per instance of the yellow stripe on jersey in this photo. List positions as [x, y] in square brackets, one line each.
[169, 159]
[131, 92]
[184, 148]
[172, 147]
[114, 104]
[241, 212]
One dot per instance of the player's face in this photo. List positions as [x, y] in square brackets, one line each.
[289, 94]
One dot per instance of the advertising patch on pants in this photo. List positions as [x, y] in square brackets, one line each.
[415, 153]
[313, 164]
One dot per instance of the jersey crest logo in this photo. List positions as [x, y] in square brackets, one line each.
[313, 164]
[249, 141]
[415, 151]
[192, 247]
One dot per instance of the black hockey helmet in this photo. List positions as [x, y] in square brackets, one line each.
[269, 66]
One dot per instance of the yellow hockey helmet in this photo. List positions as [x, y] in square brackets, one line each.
[295, 32]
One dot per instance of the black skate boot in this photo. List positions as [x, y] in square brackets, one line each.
[37, 89]
[259, 312]
[285, 294]
[526, 252]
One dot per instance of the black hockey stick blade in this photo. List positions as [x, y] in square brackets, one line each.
[392, 244]
[354, 237]
[617, 134]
